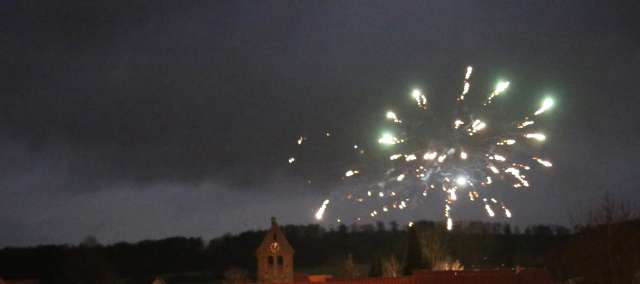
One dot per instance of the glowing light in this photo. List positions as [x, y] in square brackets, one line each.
[522, 166]
[507, 213]
[457, 123]
[410, 224]
[452, 194]
[507, 142]
[420, 98]
[512, 171]
[494, 169]
[516, 173]
[468, 74]
[441, 158]
[489, 210]
[536, 136]
[323, 207]
[409, 158]
[395, 156]
[351, 173]
[478, 125]
[430, 155]
[291, 160]
[501, 87]
[416, 93]
[388, 139]
[526, 123]
[498, 158]
[392, 116]
[547, 103]
[463, 155]
[301, 139]
[449, 224]
[461, 181]
[543, 162]
[400, 177]
[466, 86]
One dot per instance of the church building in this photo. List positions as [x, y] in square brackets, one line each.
[275, 257]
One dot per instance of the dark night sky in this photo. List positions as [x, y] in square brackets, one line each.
[146, 119]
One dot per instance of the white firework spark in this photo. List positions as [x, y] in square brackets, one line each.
[472, 155]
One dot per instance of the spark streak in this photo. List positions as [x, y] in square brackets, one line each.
[543, 162]
[547, 103]
[323, 207]
[475, 152]
[536, 136]
[500, 88]
[392, 116]
[420, 98]
[351, 173]
[388, 139]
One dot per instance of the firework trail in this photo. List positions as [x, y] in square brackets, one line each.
[463, 163]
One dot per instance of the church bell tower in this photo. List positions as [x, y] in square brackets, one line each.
[275, 257]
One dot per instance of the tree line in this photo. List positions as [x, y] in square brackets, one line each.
[605, 248]
[318, 250]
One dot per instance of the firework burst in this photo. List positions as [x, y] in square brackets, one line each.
[463, 160]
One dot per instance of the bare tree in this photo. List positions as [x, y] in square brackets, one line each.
[606, 249]
[433, 248]
[89, 242]
[391, 267]
[350, 268]
[608, 211]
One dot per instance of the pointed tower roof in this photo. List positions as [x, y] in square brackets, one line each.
[274, 241]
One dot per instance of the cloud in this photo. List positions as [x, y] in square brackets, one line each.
[146, 211]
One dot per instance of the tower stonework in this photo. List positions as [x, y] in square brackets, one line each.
[275, 257]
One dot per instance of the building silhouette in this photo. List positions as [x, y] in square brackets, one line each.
[275, 257]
